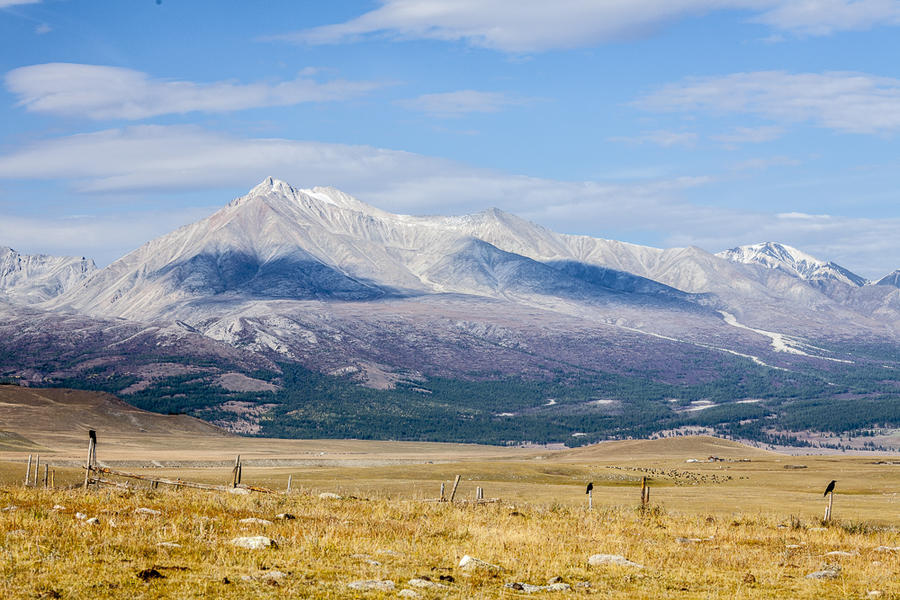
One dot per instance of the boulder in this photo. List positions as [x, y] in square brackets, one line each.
[421, 582]
[470, 563]
[147, 511]
[330, 496]
[253, 543]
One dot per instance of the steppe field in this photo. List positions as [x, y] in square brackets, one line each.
[746, 525]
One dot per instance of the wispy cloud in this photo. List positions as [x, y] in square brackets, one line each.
[660, 137]
[148, 158]
[103, 92]
[537, 25]
[462, 102]
[750, 135]
[42, 29]
[842, 101]
[10, 3]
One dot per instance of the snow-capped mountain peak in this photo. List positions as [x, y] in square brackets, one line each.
[33, 278]
[792, 261]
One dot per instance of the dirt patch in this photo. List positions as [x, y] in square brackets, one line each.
[236, 382]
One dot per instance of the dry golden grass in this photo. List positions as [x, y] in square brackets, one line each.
[52, 554]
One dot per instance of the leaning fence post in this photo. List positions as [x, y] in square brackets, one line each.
[290, 480]
[455, 485]
[28, 471]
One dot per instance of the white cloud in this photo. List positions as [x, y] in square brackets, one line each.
[42, 29]
[538, 25]
[847, 102]
[823, 17]
[103, 92]
[661, 137]
[10, 3]
[459, 103]
[178, 159]
[760, 164]
[750, 135]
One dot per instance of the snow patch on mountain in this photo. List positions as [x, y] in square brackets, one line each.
[779, 341]
[34, 278]
[792, 261]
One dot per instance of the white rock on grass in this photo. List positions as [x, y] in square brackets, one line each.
[470, 563]
[409, 594]
[825, 574]
[840, 553]
[92, 521]
[530, 589]
[168, 545]
[239, 491]
[875, 594]
[273, 576]
[887, 549]
[258, 542]
[426, 583]
[10, 508]
[384, 585]
[80, 516]
[612, 559]
[254, 521]
[147, 511]
[330, 496]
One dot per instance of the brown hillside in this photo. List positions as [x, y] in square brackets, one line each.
[60, 417]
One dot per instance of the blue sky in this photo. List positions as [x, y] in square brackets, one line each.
[660, 122]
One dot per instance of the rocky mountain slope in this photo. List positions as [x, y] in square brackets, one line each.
[31, 279]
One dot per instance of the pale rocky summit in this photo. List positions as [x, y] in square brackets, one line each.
[34, 278]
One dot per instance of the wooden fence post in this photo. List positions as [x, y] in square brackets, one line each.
[92, 445]
[290, 480]
[28, 471]
[46, 474]
[234, 474]
[37, 470]
[442, 492]
[827, 518]
[455, 485]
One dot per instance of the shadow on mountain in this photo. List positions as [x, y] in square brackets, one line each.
[296, 277]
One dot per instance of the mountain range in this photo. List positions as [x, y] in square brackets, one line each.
[317, 278]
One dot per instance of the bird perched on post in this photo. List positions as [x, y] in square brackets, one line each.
[830, 488]
[589, 488]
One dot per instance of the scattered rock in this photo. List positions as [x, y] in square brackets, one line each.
[825, 574]
[330, 496]
[422, 582]
[147, 511]
[793, 546]
[272, 577]
[612, 559]
[239, 491]
[389, 553]
[254, 521]
[874, 594]
[58, 507]
[253, 543]
[385, 585]
[92, 521]
[470, 563]
[839, 553]
[80, 516]
[817, 529]
[408, 594]
[285, 517]
[684, 540]
[148, 574]
[168, 545]
[553, 580]
[530, 589]
[10, 508]
[366, 558]
[887, 549]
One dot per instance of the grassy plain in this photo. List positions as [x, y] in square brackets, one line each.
[746, 526]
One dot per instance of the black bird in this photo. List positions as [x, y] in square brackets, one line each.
[589, 488]
[830, 487]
